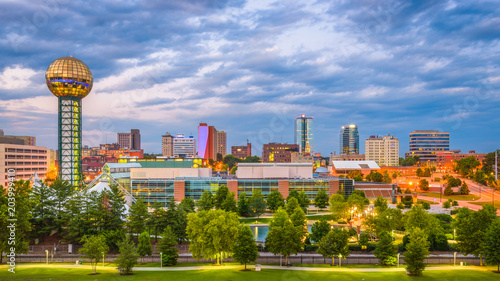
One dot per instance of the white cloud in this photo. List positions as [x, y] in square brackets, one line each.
[17, 77]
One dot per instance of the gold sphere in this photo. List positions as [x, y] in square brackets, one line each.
[69, 77]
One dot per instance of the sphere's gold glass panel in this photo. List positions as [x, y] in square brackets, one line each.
[69, 77]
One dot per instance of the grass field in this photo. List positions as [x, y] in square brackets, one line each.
[40, 272]
[469, 197]
[497, 203]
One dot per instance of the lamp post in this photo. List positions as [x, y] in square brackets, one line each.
[454, 258]
[161, 260]
[454, 233]
[398, 259]
[340, 260]
[47, 256]
[102, 259]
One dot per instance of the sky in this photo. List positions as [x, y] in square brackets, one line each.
[250, 67]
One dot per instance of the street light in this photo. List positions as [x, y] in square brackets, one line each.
[454, 258]
[340, 260]
[161, 260]
[47, 255]
[398, 259]
[102, 259]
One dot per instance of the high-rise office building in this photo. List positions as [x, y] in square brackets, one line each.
[211, 142]
[303, 133]
[21, 161]
[130, 140]
[278, 152]
[221, 143]
[426, 144]
[167, 145]
[384, 150]
[349, 139]
[70, 80]
[184, 147]
[242, 151]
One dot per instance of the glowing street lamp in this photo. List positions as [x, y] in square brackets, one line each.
[161, 260]
[47, 256]
[102, 259]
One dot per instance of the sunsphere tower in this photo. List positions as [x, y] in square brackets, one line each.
[70, 80]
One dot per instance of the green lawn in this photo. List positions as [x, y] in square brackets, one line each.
[469, 197]
[497, 203]
[54, 273]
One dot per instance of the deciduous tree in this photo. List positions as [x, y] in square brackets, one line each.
[321, 199]
[127, 258]
[245, 250]
[416, 251]
[144, 248]
[93, 248]
[275, 200]
[385, 251]
[335, 243]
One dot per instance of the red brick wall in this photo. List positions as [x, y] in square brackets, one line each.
[333, 187]
[283, 188]
[179, 191]
[233, 187]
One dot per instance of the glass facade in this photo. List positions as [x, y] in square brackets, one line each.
[303, 135]
[266, 186]
[195, 188]
[151, 190]
[310, 187]
[426, 144]
[349, 139]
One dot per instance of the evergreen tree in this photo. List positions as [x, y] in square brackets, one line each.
[43, 211]
[335, 243]
[144, 247]
[257, 203]
[138, 216]
[243, 204]
[275, 200]
[448, 191]
[158, 218]
[93, 248]
[127, 258]
[206, 201]
[464, 189]
[220, 196]
[321, 199]
[491, 244]
[416, 252]
[62, 191]
[385, 251]
[229, 203]
[167, 247]
[187, 204]
[245, 250]
[319, 230]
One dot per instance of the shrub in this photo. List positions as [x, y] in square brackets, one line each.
[455, 203]
[426, 205]
[401, 205]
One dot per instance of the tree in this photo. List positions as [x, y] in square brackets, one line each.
[321, 199]
[338, 206]
[355, 175]
[364, 238]
[385, 251]
[220, 196]
[283, 237]
[212, 233]
[243, 204]
[471, 229]
[424, 185]
[335, 243]
[93, 248]
[127, 258]
[291, 205]
[380, 204]
[62, 191]
[303, 201]
[158, 218]
[257, 203]
[206, 201]
[275, 200]
[464, 189]
[233, 170]
[245, 250]
[231, 161]
[385, 221]
[144, 247]
[374, 176]
[419, 172]
[447, 205]
[427, 173]
[187, 204]
[43, 210]
[229, 203]
[416, 252]
[465, 166]
[448, 191]
[167, 247]
[138, 217]
[319, 229]
[358, 200]
[298, 218]
[491, 244]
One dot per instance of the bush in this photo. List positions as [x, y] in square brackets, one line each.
[401, 206]
[437, 179]
[454, 212]
[357, 247]
[455, 203]
[426, 205]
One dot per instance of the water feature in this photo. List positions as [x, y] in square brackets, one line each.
[260, 232]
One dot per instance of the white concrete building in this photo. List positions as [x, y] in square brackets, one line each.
[384, 150]
[184, 147]
[274, 170]
[22, 161]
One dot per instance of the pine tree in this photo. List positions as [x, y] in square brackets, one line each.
[167, 247]
[245, 250]
[62, 191]
[464, 189]
[127, 258]
[138, 217]
[416, 252]
[43, 211]
[206, 201]
[385, 251]
[144, 247]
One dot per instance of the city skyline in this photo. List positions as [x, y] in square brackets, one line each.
[251, 68]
